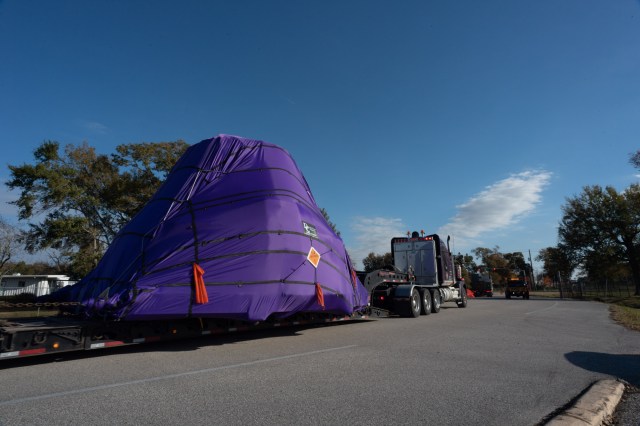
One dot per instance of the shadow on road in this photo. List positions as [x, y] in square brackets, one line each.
[625, 367]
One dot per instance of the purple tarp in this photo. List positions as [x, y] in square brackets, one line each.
[242, 211]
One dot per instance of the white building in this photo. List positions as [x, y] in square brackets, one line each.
[10, 285]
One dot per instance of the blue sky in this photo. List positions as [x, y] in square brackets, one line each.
[465, 117]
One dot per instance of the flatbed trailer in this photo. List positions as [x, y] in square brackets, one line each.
[50, 335]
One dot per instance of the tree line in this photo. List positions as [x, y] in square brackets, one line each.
[75, 200]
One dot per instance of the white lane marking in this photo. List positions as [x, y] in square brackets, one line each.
[169, 376]
[542, 310]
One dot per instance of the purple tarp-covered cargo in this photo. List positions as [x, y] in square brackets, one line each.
[240, 210]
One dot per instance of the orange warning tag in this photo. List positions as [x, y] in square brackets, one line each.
[313, 257]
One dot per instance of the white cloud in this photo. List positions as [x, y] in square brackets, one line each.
[373, 234]
[95, 127]
[498, 206]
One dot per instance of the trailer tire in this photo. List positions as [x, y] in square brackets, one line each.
[437, 301]
[426, 301]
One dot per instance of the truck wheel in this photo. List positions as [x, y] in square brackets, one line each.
[415, 304]
[435, 296]
[409, 308]
[426, 302]
[462, 303]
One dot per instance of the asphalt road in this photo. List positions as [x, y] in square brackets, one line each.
[502, 362]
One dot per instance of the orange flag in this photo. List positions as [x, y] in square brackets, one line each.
[198, 283]
[354, 277]
[320, 295]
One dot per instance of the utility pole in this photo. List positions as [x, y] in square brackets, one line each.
[533, 275]
[560, 285]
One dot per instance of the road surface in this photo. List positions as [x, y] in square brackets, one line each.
[501, 362]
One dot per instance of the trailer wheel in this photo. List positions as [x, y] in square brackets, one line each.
[435, 296]
[426, 302]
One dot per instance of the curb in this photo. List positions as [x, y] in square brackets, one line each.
[594, 407]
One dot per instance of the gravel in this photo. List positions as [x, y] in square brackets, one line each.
[628, 410]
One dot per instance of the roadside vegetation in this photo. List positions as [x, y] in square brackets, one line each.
[626, 311]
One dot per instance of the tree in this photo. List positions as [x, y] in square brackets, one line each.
[466, 262]
[37, 268]
[601, 221]
[487, 255]
[634, 159]
[516, 261]
[79, 199]
[468, 266]
[495, 262]
[331, 224]
[9, 245]
[557, 261]
[377, 261]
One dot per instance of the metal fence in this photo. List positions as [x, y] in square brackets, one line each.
[15, 291]
[588, 288]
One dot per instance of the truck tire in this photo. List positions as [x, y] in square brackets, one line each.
[411, 307]
[435, 297]
[462, 303]
[425, 297]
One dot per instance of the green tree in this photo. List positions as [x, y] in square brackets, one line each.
[634, 159]
[557, 261]
[467, 265]
[495, 262]
[516, 261]
[36, 268]
[78, 200]
[466, 262]
[375, 261]
[602, 222]
[328, 219]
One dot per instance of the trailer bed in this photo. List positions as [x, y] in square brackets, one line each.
[39, 336]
